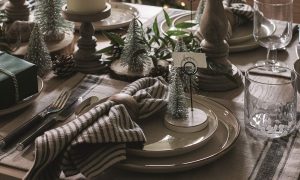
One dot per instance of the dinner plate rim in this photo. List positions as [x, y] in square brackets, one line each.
[114, 5]
[197, 162]
[25, 102]
[214, 122]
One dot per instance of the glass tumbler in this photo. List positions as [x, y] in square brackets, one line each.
[270, 102]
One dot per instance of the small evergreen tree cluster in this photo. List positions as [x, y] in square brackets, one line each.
[38, 53]
[48, 16]
[134, 54]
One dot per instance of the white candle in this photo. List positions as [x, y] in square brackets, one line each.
[86, 6]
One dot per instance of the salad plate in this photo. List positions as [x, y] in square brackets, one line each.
[165, 142]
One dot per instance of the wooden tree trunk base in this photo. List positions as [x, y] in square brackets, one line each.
[121, 72]
[212, 81]
[65, 46]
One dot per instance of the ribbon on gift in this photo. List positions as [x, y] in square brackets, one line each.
[97, 139]
[15, 82]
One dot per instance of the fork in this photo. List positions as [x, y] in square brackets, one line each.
[56, 106]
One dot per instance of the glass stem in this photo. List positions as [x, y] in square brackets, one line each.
[272, 56]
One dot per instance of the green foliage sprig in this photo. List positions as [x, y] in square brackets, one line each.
[160, 45]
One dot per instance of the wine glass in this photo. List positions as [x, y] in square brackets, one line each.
[273, 28]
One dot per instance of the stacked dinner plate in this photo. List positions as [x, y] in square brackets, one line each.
[121, 16]
[240, 38]
[171, 151]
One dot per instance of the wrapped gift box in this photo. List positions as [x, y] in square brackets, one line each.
[18, 80]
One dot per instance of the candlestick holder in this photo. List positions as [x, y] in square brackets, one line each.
[221, 74]
[17, 10]
[86, 59]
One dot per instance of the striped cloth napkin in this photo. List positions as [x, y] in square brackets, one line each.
[241, 10]
[97, 139]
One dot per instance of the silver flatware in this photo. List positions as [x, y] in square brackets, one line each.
[56, 106]
[86, 105]
[67, 111]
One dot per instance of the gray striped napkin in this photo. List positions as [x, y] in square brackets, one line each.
[243, 12]
[97, 139]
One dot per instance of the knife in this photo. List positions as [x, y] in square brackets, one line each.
[67, 111]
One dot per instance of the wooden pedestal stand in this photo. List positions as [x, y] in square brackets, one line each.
[121, 72]
[85, 58]
[17, 10]
[64, 46]
[213, 28]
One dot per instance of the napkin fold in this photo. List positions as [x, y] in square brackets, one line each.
[238, 11]
[97, 139]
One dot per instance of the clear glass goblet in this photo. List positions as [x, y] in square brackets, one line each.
[273, 28]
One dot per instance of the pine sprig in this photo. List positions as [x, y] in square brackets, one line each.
[48, 16]
[38, 53]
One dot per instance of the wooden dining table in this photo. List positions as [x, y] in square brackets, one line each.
[232, 99]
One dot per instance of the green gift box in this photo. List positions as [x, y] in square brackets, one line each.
[18, 80]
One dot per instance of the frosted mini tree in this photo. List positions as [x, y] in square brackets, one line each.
[48, 16]
[134, 54]
[38, 53]
[177, 105]
[180, 46]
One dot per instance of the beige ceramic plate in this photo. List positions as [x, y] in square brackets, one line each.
[222, 141]
[25, 102]
[165, 142]
[241, 34]
[121, 15]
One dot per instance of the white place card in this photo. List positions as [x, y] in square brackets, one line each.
[180, 58]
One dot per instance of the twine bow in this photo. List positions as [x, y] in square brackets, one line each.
[15, 82]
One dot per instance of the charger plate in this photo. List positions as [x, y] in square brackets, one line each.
[121, 16]
[165, 142]
[241, 38]
[25, 102]
[222, 141]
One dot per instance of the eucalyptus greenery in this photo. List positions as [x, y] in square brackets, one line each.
[160, 45]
